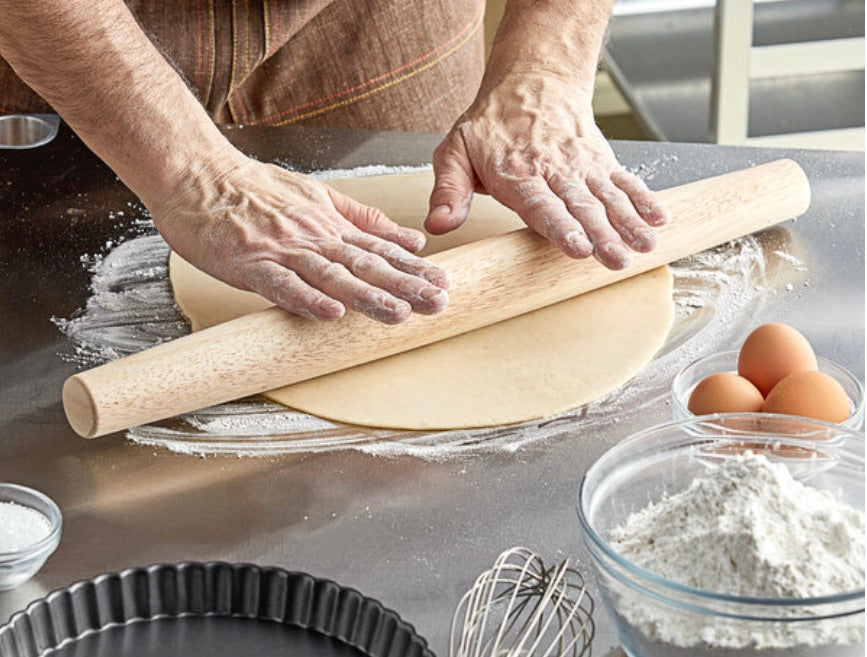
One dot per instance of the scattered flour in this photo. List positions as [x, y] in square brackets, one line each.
[747, 528]
[21, 527]
[131, 308]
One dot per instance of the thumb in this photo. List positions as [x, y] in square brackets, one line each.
[454, 182]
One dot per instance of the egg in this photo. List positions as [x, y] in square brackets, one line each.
[725, 392]
[772, 352]
[809, 394]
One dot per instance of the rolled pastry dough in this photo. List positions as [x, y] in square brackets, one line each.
[528, 367]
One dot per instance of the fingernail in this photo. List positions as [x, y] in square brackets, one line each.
[578, 243]
[331, 309]
[438, 277]
[435, 297]
[616, 256]
[645, 239]
[660, 217]
[653, 215]
[440, 212]
[397, 310]
[413, 239]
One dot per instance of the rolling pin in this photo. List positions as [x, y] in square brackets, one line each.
[491, 280]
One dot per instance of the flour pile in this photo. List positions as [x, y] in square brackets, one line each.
[747, 528]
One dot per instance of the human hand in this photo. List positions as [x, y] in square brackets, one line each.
[300, 244]
[531, 142]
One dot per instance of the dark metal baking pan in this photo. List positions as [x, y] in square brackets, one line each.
[209, 609]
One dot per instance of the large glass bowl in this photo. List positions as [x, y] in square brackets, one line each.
[657, 617]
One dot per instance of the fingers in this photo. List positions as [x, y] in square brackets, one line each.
[336, 281]
[545, 212]
[372, 220]
[371, 268]
[587, 210]
[286, 289]
[320, 285]
[377, 272]
[622, 215]
[400, 259]
[595, 216]
[643, 200]
[454, 182]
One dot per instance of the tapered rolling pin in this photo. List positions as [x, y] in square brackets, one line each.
[491, 280]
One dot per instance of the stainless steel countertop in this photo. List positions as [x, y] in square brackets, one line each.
[410, 532]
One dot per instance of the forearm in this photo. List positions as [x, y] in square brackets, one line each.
[92, 62]
[556, 37]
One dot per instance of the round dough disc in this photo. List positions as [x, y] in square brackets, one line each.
[527, 367]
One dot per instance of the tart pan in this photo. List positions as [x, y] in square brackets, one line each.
[214, 609]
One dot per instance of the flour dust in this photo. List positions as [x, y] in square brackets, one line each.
[131, 308]
[761, 534]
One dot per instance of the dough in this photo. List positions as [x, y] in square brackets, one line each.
[528, 367]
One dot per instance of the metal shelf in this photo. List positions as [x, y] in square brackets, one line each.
[661, 56]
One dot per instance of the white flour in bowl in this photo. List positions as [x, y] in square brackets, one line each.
[746, 528]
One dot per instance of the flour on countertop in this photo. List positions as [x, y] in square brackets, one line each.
[131, 307]
[746, 527]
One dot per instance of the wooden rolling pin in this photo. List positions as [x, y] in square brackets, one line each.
[491, 280]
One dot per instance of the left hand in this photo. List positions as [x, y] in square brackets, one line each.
[531, 142]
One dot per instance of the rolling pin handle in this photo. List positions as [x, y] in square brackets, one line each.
[80, 407]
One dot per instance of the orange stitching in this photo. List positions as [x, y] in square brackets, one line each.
[473, 26]
[391, 83]
[237, 92]
[234, 58]
[246, 38]
[265, 12]
[209, 84]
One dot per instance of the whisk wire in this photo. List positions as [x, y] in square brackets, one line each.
[521, 608]
[516, 590]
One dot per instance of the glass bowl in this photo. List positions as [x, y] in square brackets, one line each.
[17, 566]
[727, 361]
[656, 617]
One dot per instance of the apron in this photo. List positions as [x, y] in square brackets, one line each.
[410, 65]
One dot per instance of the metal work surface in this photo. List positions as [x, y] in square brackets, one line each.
[410, 532]
[669, 88]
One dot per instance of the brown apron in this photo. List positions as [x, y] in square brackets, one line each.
[378, 64]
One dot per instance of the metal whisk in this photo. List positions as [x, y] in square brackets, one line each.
[521, 608]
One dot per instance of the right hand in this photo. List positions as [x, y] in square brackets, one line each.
[300, 244]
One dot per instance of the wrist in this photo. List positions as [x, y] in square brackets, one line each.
[510, 90]
[173, 172]
[558, 38]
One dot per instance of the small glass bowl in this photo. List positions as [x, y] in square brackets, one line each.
[657, 617]
[727, 361]
[18, 566]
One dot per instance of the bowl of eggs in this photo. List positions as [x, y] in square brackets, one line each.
[775, 371]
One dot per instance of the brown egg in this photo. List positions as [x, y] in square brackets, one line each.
[809, 394]
[725, 392]
[772, 352]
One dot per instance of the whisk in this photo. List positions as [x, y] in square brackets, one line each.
[521, 608]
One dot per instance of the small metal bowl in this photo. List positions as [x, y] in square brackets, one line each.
[20, 131]
[17, 566]
[727, 361]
